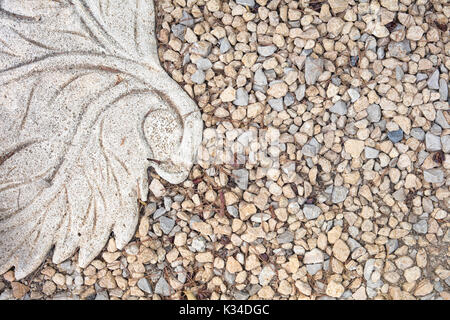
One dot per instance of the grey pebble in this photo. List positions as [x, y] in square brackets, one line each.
[300, 92]
[395, 136]
[241, 97]
[144, 285]
[198, 77]
[374, 113]
[276, 104]
[443, 89]
[421, 227]
[371, 153]
[250, 3]
[433, 81]
[266, 51]
[162, 287]
[285, 237]
[434, 175]
[311, 211]
[417, 133]
[225, 45]
[339, 194]
[241, 178]
[166, 224]
[432, 142]
[339, 108]
[203, 64]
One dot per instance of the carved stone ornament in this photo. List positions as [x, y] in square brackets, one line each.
[84, 103]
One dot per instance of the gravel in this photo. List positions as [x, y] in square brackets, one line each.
[348, 196]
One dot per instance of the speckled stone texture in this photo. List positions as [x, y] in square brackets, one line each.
[84, 103]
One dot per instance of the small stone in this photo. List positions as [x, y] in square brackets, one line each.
[266, 51]
[445, 142]
[198, 77]
[395, 136]
[433, 81]
[421, 227]
[144, 285]
[341, 250]
[313, 69]
[224, 45]
[162, 287]
[19, 290]
[300, 92]
[338, 5]
[203, 64]
[414, 33]
[335, 289]
[241, 97]
[311, 211]
[260, 78]
[246, 210]
[157, 188]
[432, 142]
[232, 265]
[399, 49]
[276, 104]
[354, 147]
[434, 175]
[373, 113]
[202, 48]
[340, 108]
[423, 288]
[313, 256]
[166, 224]
[418, 133]
[228, 95]
[443, 89]
[266, 275]
[412, 274]
[285, 237]
[277, 89]
[371, 153]
[241, 178]
[339, 194]
[248, 3]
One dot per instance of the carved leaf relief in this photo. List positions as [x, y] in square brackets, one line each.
[84, 103]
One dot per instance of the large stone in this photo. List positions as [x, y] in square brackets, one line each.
[79, 96]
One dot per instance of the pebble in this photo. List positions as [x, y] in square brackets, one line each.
[300, 92]
[162, 287]
[241, 97]
[203, 64]
[339, 194]
[443, 89]
[374, 113]
[198, 77]
[395, 136]
[433, 175]
[339, 107]
[313, 256]
[266, 51]
[311, 211]
[285, 237]
[432, 142]
[224, 45]
[433, 81]
[249, 3]
[144, 285]
[166, 224]
[313, 69]
[241, 178]
[371, 153]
